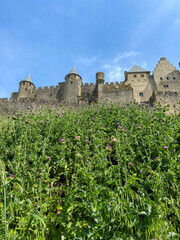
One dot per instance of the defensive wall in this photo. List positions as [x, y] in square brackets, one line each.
[47, 93]
[139, 86]
[117, 92]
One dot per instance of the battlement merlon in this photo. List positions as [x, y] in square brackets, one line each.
[4, 100]
[46, 88]
[88, 84]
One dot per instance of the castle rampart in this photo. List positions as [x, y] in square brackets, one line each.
[139, 86]
[4, 100]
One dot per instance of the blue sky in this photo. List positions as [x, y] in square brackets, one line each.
[47, 38]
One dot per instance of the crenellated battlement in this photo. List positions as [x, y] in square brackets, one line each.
[113, 83]
[117, 85]
[4, 100]
[46, 88]
[138, 86]
[88, 84]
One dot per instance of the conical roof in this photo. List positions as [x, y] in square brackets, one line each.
[73, 71]
[28, 79]
[136, 68]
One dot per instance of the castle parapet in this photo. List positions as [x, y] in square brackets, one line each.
[4, 100]
[46, 88]
[88, 84]
[39, 88]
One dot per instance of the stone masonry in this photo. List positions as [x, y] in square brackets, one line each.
[140, 86]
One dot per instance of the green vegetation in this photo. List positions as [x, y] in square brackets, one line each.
[102, 172]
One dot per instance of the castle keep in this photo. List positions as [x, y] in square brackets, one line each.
[139, 85]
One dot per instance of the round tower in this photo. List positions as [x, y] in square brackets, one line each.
[73, 82]
[100, 78]
[26, 88]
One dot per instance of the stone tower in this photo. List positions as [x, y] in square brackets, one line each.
[100, 78]
[72, 89]
[26, 88]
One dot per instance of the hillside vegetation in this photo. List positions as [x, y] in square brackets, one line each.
[101, 172]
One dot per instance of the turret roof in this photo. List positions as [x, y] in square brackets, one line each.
[136, 68]
[74, 71]
[28, 79]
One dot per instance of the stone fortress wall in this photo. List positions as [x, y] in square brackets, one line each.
[47, 93]
[139, 85]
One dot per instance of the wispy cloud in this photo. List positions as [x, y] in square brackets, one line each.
[154, 19]
[113, 67]
[114, 73]
[116, 66]
[125, 55]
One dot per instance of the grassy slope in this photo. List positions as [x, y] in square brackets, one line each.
[103, 172]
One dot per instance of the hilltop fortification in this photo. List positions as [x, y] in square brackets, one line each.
[139, 85]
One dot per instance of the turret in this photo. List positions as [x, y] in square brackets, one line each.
[26, 88]
[100, 78]
[73, 82]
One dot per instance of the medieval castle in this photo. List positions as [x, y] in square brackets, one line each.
[139, 85]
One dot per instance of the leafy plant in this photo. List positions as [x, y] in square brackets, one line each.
[96, 172]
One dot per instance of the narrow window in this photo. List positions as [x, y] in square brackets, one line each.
[134, 76]
[141, 94]
[50, 94]
[167, 78]
[142, 75]
[160, 78]
[71, 82]
[25, 89]
[174, 78]
[175, 93]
